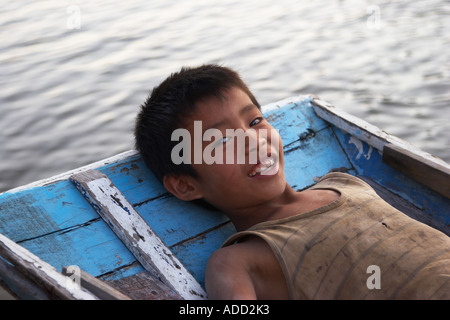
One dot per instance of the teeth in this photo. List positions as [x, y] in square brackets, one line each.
[262, 167]
[268, 163]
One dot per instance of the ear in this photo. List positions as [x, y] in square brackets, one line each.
[182, 186]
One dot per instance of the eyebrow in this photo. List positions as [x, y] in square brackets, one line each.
[244, 110]
[247, 108]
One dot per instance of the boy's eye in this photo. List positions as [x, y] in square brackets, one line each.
[256, 121]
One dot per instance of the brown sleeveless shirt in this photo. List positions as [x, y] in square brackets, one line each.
[357, 247]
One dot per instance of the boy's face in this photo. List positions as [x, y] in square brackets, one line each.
[229, 186]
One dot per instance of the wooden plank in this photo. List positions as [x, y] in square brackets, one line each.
[294, 121]
[94, 247]
[367, 132]
[368, 162]
[41, 272]
[195, 252]
[357, 127]
[125, 156]
[406, 207]
[94, 285]
[136, 234]
[19, 285]
[314, 157]
[43, 210]
[431, 174]
[144, 286]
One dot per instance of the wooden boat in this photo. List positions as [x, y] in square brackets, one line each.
[115, 224]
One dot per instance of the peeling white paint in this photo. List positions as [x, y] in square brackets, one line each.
[137, 235]
[369, 153]
[360, 146]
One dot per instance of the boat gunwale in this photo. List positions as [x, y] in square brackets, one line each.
[126, 156]
[367, 132]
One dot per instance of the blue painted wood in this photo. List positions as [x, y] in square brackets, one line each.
[295, 121]
[194, 253]
[314, 157]
[94, 248]
[175, 220]
[42, 210]
[135, 180]
[369, 164]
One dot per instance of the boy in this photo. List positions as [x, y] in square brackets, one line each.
[316, 244]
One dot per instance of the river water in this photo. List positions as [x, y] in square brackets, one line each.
[73, 73]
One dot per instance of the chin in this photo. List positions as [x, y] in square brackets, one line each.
[274, 189]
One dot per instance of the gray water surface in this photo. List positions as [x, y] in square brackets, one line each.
[73, 73]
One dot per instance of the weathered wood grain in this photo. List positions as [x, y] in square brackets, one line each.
[41, 272]
[431, 174]
[363, 143]
[406, 207]
[364, 131]
[144, 286]
[367, 162]
[136, 234]
[19, 285]
[99, 288]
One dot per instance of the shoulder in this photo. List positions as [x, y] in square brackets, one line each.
[340, 179]
[220, 258]
[227, 274]
[228, 259]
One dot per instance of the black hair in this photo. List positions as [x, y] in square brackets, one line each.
[169, 104]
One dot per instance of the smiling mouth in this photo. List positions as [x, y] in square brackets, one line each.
[267, 167]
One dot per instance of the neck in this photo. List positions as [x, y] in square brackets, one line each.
[280, 207]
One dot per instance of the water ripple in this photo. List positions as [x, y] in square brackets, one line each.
[69, 96]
